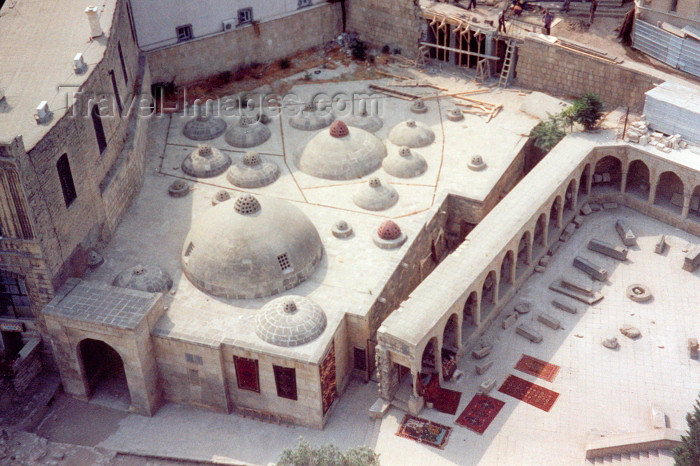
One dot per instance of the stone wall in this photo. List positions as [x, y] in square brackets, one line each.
[265, 41]
[28, 365]
[380, 22]
[554, 70]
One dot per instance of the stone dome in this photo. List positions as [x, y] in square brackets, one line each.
[204, 128]
[148, 278]
[418, 106]
[375, 195]
[389, 235]
[364, 121]
[348, 157]
[311, 118]
[205, 162]
[248, 132]
[341, 229]
[251, 248]
[412, 134]
[253, 172]
[290, 321]
[405, 163]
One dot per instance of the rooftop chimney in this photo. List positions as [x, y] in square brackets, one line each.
[94, 19]
[79, 64]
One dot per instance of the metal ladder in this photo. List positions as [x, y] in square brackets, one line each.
[507, 63]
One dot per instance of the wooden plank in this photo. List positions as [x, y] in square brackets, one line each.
[393, 93]
[452, 49]
[456, 94]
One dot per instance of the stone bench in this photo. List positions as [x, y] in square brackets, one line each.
[549, 321]
[594, 271]
[626, 234]
[509, 320]
[529, 333]
[482, 352]
[487, 385]
[610, 250]
[573, 291]
[564, 307]
[483, 366]
[692, 260]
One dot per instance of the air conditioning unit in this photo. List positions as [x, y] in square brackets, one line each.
[43, 114]
[79, 65]
[230, 24]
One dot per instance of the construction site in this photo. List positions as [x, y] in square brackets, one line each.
[365, 223]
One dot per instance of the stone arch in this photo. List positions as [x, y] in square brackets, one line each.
[506, 276]
[638, 180]
[570, 196]
[470, 315]
[489, 295]
[584, 182]
[669, 192]
[103, 371]
[694, 210]
[450, 334]
[554, 218]
[539, 234]
[522, 259]
[429, 357]
[607, 174]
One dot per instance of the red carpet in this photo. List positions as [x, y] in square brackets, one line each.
[443, 399]
[538, 368]
[424, 431]
[537, 396]
[480, 412]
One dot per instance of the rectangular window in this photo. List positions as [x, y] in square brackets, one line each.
[247, 374]
[283, 261]
[116, 91]
[66, 178]
[184, 33]
[14, 301]
[121, 59]
[99, 129]
[286, 382]
[193, 376]
[245, 16]
[194, 359]
[304, 3]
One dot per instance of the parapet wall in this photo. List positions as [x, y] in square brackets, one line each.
[552, 69]
[396, 23]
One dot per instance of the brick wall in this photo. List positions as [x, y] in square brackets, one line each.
[380, 22]
[266, 41]
[554, 70]
[27, 366]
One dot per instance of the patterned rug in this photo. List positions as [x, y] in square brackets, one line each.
[537, 396]
[443, 399]
[538, 368]
[424, 431]
[480, 412]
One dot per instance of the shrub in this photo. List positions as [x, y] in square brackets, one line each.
[688, 453]
[358, 49]
[588, 110]
[386, 49]
[548, 133]
[397, 51]
[327, 455]
[285, 63]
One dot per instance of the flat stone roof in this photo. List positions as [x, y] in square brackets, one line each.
[100, 303]
[39, 41]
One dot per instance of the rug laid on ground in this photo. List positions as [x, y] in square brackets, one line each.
[480, 412]
[530, 393]
[538, 368]
[443, 399]
[424, 431]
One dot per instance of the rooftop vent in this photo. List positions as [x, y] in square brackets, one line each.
[43, 114]
[79, 65]
[94, 19]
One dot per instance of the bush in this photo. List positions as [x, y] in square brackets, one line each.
[358, 49]
[285, 63]
[327, 455]
[688, 453]
[548, 133]
[386, 49]
[588, 110]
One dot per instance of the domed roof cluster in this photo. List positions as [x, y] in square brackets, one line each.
[204, 128]
[251, 248]
[247, 132]
[374, 195]
[148, 278]
[205, 162]
[405, 163]
[341, 153]
[253, 172]
[290, 321]
[411, 134]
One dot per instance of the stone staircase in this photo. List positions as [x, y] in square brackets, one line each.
[646, 458]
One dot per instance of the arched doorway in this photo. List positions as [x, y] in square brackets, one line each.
[522, 260]
[569, 201]
[669, 192]
[429, 361]
[694, 212]
[583, 183]
[638, 180]
[607, 174]
[469, 323]
[488, 295]
[539, 239]
[103, 372]
[506, 278]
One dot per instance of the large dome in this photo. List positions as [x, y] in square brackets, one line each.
[251, 248]
[411, 133]
[341, 154]
[248, 132]
[311, 118]
[290, 321]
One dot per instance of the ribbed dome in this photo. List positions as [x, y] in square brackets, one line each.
[375, 195]
[411, 134]
[405, 163]
[253, 172]
[251, 248]
[148, 278]
[341, 158]
[248, 132]
[290, 321]
[311, 119]
[205, 162]
[204, 128]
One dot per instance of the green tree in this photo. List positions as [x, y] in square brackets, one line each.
[688, 453]
[588, 110]
[304, 454]
[548, 133]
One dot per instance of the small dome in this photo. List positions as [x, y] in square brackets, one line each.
[411, 134]
[253, 172]
[353, 156]
[389, 235]
[311, 118]
[251, 248]
[477, 163]
[364, 121]
[204, 128]
[248, 132]
[341, 229]
[290, 321]
[148, 278]
[221, 196]
[405, 164]
[375, 196]
[339, 129]
[418, 106]
[455, 114]
[205, 162]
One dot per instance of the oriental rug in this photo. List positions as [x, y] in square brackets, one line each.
[480, 412]
[530, 393]
[538, 368]
[424, 431]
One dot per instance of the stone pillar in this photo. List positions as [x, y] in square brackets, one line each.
[686, 204]
[489, 50]
[477, 310]
[438, 359]
[623, 181]
[383, 362]
[652, 193]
